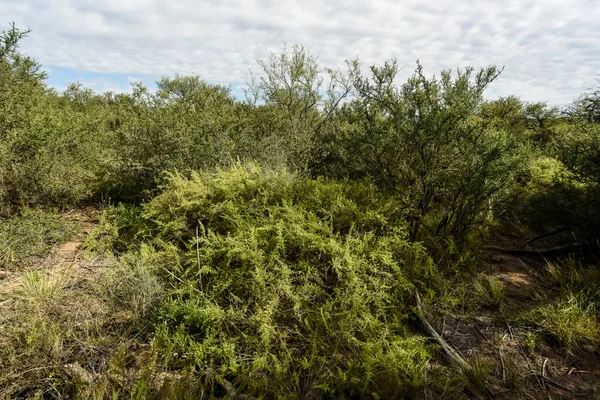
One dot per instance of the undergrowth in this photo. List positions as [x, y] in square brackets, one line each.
[31, 234]
[283, 286]
[568, 315]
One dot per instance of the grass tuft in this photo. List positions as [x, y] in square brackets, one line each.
[490, 290]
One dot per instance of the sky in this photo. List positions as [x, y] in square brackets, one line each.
[550, 49]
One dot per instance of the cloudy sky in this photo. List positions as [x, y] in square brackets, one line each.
[550, 49]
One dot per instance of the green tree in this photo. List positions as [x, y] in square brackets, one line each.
[294, 100]
[426, 141]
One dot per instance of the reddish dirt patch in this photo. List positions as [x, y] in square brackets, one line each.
[66, 259]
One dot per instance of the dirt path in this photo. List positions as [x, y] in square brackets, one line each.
[67, 259]
[518, 368]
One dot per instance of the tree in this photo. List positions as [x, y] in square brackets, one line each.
[293, 104]
[426, 141]
[587, 107]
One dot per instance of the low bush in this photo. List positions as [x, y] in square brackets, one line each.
[287, 287]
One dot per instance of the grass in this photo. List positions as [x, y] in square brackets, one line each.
[490, 290]
[61, 335]
[39, 287]
[571, 321]
[31, 234]
[61, 328]
[568, 313]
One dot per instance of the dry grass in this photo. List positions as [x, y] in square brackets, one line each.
[63, 330]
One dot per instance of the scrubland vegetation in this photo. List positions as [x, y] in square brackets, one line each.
[300, 243]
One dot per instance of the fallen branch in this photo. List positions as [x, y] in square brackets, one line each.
[542, 252]
[453, 356]
[543, 235]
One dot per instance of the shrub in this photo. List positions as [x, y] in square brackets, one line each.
[288, 286]
[426, 140]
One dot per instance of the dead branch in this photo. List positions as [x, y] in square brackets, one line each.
[554, 251]
[503, 367]
[453, 356]
[543, 235]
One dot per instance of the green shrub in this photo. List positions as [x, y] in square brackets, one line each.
[288, 286]
[119, 228]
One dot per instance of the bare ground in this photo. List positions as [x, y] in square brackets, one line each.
[518, 371]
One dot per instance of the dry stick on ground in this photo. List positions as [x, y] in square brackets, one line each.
[531, 368]
[510, 332]
[544, 367]
[480, 331]
[503, 368]
[543, 252]
[452, 355]
[543, 235]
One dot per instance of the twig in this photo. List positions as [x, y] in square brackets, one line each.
[542, 252]
[576, 371]
[543, 235]
[452, 355]
[480, 332]
[531, 368]
[503, 368]
[510, 332]
[181, 281]
[198, 258]
[558, 385]
[528, 395]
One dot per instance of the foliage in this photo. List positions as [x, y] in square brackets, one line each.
[425, 138]
[118, 228]
[272, 246]
[294, 107]
[31, 234]
[279, 283]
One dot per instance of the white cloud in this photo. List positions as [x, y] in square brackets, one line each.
[550, 49]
